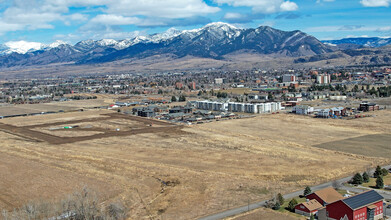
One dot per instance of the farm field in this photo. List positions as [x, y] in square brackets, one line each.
[165, 171]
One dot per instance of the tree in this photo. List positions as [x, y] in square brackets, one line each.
[384, 172]
[280, 198]
[357, 179]
[312, 217]
[276, 206]
[336, 185]
[378, 172]
[365, 177]
[182, 98]
[292, 204]
[173, 99]
[307, 191]
[379, 182]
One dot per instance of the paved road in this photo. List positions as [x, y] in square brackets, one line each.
[256, 205]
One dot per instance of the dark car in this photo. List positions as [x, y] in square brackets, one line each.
[389, 206]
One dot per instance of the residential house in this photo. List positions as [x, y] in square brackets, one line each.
[325, 196]
[308, 208]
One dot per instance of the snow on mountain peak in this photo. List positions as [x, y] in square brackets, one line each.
[56, 44]
[220, 25]
[22, 47]
[170, 33]
[107, 42]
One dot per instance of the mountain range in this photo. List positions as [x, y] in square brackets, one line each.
[214, 41]
[359, 42]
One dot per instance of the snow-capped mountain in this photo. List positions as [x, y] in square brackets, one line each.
[214, 40]
[20, 47]
[359, 42]
[23, 47]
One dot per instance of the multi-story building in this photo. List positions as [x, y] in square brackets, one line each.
[323, 79]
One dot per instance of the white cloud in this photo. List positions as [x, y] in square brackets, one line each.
[375, 3]
[111, 19]
[320, 1]
[41, 14]
[288, 6]
[159, 8]
[262, 6]
[230, 15]
[349, 28]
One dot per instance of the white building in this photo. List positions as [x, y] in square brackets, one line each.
[323, 79]
[219, 81]
[239, 107]
[303, 109]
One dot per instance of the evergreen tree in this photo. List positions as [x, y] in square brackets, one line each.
[365, 177]
[182, 98]
[173, 99]
[292, 204]
[384, 172]
[379, 182]
[280, 198]
[378, 172]
[357, 179]
[307, 191]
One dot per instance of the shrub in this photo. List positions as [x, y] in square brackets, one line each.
[280, 198]
[384, 172]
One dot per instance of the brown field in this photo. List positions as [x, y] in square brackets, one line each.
[207, 168]
[264, 213]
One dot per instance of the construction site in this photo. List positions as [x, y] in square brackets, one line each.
[106, 125]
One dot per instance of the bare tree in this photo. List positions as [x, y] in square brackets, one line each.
[82, 205]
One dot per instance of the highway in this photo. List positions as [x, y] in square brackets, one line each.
[246, 208]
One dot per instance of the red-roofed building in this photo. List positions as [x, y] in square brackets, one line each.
[365, 206]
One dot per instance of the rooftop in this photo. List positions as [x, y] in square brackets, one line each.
[312, 205]
[329, 195]
[363, 199]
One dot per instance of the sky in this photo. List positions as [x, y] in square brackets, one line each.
[46, 21]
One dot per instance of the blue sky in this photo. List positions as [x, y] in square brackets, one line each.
[46, 21]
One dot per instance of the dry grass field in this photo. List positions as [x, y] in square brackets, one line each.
[167, 171]
[264, 213]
